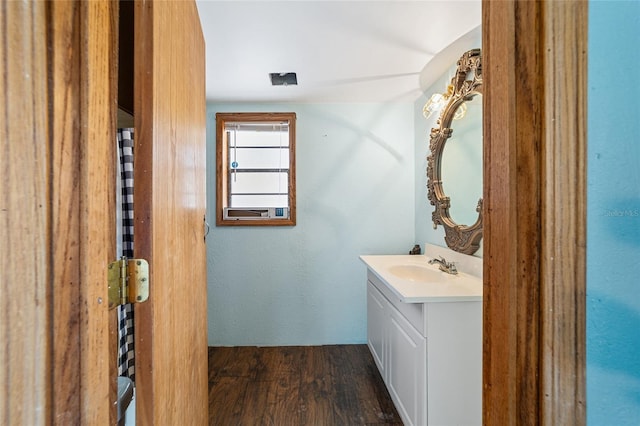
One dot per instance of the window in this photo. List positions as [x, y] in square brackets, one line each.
[255, 169]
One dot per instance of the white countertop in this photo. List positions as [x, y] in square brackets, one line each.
[452, 288]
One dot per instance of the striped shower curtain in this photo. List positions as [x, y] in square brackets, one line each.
[125, 244]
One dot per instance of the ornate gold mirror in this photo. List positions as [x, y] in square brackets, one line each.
[466, 91]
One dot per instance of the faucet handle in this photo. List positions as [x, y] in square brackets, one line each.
[448, 267]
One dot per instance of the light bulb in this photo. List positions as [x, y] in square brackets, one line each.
[435, 102]
[460, 112]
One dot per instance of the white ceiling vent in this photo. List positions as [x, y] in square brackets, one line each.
[283, 78]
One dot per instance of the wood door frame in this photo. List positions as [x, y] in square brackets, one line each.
[59, 77]
[25, 385]
[534, 60]
[83, 124]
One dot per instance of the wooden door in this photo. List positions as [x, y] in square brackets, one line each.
[169, 203]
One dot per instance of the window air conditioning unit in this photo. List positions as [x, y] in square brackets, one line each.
[256, 213]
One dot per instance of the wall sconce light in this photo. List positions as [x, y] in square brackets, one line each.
[437, 101]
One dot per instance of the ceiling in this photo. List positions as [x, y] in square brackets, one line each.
[342, 51]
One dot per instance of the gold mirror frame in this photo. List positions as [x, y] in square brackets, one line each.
[461, 238]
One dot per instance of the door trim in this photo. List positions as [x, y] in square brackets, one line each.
[535, 65]
[58, 83]
[25, 317]
[82, 190]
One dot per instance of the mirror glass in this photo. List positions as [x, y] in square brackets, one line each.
[462, 164]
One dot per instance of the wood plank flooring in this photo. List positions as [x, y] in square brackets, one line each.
[297, 385]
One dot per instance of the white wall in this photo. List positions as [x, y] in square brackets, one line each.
[424, 225]
[305, 285]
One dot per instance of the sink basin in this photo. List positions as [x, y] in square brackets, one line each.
[416, 273]
[412, 279]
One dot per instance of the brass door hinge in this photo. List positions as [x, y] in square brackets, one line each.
[128, 281]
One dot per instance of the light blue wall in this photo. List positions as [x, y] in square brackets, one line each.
[613, 215]
[305, 285]
[424, 226]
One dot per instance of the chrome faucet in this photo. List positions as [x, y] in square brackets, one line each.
[448, 267]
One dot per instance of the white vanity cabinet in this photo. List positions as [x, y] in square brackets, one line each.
[429, 355]
[377, 318]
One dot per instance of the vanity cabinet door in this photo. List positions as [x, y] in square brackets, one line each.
[376, 326]
[454, 363]
[406, 373]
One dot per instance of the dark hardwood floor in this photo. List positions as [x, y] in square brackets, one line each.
[297, 385]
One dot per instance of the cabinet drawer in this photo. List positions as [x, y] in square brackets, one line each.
[413, 312]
